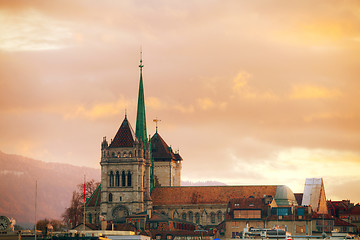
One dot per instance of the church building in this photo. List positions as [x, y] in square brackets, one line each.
[143, 175]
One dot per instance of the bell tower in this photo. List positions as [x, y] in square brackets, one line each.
[126, 168]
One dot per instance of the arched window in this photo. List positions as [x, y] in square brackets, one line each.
[113, 154]
[124, 154]
[111, 179]
[118, 154]
[129, 179]
[183, 216]
[90, 218]
[190, 216]
[212, 217]
[110, 197]
[197, 218]
[130, 154]
[123, 179]
[219, 216]
[117, 179]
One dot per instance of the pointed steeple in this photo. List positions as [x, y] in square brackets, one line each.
[140, 131]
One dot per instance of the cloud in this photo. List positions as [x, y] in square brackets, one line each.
[30, 30]
[100, 110]
[313, 92]
[243, 88]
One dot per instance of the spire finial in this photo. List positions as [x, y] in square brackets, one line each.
[141, 65]
[156, 120]
[125, 113]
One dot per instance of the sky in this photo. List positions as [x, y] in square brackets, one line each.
[249, 92]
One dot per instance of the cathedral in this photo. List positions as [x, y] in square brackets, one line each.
[141, 175]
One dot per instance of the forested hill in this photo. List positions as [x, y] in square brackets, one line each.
[56, 182]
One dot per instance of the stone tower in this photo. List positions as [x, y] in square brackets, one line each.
[126, 168]
[167, 164]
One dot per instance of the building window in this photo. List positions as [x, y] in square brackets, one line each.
[120, 198]
[90, 218]
[183, 216]
[117, 179]
[219, 216]
[129, 179]
[190, 216]
[123, 179]
[111, 180]
[247, 214]
[300, 211]
[110, 197]
[197, 218]
[212, 217]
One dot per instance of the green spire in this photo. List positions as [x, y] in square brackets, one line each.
[141, 132]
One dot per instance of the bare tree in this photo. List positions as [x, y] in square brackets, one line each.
[73, 215]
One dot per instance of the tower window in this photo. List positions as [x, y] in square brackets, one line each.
[117, 179]
[183, 216]
[123, 179]
[129, 179]
[110, 197]
[111, 179]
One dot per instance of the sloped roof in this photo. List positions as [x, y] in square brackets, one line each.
[94, 199]
[161, 151]
[355, 210]
[207, 195]
[298, 197]
[339, 222]
[125, 137]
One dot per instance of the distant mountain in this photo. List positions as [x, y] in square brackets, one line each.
[202, 183]
[56, 182]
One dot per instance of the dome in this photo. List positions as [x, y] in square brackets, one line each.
[284, 196]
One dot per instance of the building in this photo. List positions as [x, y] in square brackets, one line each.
[141, 177]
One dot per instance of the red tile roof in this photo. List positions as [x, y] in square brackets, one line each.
[355, 210]
[125, 137]
[207, 195]
[160, 150]
[339, 222]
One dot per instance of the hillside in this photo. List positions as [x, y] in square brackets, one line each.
[56, 182]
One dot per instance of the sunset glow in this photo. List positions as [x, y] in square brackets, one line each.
[249, 92]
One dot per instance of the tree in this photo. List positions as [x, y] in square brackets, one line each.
[47, 224]
[73, 215]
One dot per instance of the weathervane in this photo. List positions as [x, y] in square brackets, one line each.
[156, 120]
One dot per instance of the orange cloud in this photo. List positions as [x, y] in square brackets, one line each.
[313, 92]
[103, 110]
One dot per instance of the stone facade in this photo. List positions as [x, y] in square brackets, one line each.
[168, 173]
[125, 175]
